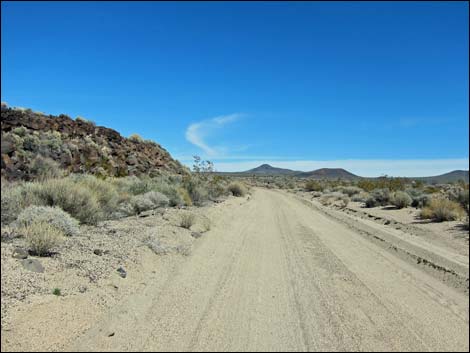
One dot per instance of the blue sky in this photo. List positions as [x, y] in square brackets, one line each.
[371, 87]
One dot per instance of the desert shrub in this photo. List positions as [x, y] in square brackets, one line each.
[421, 201]
[20, 131]
[77, 200]
[187, 220]
[196, 189]
[344, 201]
[316, 194]
[105, 192]
[124, 209]
[42, 237]
[313, 185]
[371, 202]
[462, 198]
[400, 199]
[142, 203]
[185, 196]
[328, 199]
[175, 198]
[381, 196]
[351, 190]
[418, 198]
[441, 209]
[11, 203]
[206, 224]
[237, 189]
[431, 189]
[361, 197]
[86, 121]
[43, 168]
[158, 199]
[136, 138]
[52, 215]
[198, 195]
[217, 187]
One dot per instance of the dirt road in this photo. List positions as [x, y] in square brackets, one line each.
[274, 274]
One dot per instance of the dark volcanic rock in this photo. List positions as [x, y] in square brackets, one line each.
[77, 146]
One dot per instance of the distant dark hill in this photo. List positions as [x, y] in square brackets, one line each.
[450, 177]
[340, 173]
[266, 169]
[328, 173]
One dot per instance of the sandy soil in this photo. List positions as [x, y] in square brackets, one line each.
[275, 273]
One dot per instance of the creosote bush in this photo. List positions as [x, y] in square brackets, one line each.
[42, 237]
[314, 185]
[52, 215]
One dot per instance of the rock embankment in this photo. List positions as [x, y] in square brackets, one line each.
[76, 146]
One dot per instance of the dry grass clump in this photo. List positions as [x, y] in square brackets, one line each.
[237, 189]
[441, 209]
[42, 237]
[52, 215]
[187, 220]
[77, 200]
[400, 199]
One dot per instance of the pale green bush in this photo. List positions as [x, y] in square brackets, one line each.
[11, 204]
[52, 215]
[400, 199]
[158, 199]
[142, 203]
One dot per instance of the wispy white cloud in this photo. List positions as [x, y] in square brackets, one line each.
[198, 132]
[362, 167]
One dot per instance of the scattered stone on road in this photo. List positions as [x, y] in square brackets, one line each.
[20, 253]
[196, 235]
[122, 272]
[32, 265]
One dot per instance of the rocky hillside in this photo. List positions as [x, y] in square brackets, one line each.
[33, 143]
